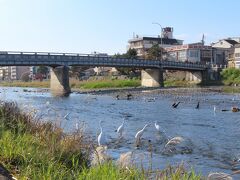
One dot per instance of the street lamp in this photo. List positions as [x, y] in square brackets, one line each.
[161, 34]
[161, 30]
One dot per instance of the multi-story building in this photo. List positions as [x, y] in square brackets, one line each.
[5, 73]
[13, 72]
[196, 53]
[228, 46]
[142, 44]
[237, 55]
[189, 53]
[18, 71]
[234, 56]
[225, 43]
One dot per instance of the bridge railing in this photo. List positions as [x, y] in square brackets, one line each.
[91, 59]
[49, 53]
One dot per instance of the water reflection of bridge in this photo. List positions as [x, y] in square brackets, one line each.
[152, 70]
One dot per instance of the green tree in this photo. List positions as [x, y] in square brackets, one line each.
[25, 77]
[155, 52]
[42, 70]
[75, 71]
[130, 54]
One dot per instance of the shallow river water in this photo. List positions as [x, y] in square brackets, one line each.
[214, 136]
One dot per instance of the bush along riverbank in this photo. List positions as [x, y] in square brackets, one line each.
[231, 76]
[31, 149]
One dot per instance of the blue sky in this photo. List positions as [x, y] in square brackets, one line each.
[106, 25]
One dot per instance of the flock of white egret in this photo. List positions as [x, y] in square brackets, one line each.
[103, 142]
[125, 157]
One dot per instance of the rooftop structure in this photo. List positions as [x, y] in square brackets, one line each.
[142, 44]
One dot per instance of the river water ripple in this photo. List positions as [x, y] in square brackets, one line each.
[214, 135]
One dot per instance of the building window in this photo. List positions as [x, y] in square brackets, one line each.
[182, 55]
[237, 54]
[193, 53]
[206, 54]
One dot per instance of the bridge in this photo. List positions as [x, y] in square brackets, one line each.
[152, 70]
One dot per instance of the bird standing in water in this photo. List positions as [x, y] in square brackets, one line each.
[101, 137]
[175, 105]
[197, 107]
[139, 134]
[121, 128]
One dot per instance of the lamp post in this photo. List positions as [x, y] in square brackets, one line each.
[161, 35]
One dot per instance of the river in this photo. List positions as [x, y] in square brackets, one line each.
[214, 135]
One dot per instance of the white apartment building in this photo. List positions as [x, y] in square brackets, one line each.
[142, 44]
[13, 72]
[5, 73]
[196, 53]
[235, 60]
[225, 43]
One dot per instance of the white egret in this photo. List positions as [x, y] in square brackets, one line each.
[77, 126]
[140, 133]
[219, 175]
[214, 108]
[174, 141]
[66, 116]
[101, 137]
[157, 126]
[47, 103]
[121, 128]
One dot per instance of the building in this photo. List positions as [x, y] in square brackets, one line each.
[237, 56]
[228, 46]
[5, 72]
[142, 44]
[13, 72]
[18, 71]
[196, 53]
[225, 43]
[234, 56]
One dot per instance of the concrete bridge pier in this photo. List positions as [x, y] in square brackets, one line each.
[152, 78]
[197, 76]
[59, 84]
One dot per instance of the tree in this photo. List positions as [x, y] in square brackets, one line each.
[130, 54]
[42, 70]
[155, 52]
[25, 77]
[75, 71]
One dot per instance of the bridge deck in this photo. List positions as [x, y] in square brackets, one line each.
[61, 59]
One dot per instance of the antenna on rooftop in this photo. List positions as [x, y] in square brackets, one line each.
[203, 39]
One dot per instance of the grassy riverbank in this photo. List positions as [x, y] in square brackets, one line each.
[34, 84]
[179, 83]
[91, 84]
[95, 84]
[30, 149]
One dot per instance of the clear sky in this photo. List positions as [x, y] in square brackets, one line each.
[106, 25]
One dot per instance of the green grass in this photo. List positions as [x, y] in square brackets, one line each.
[231, 89]
[92, 84]
[108, 84]
[35, 84]
[31, 149]
[178, 83]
